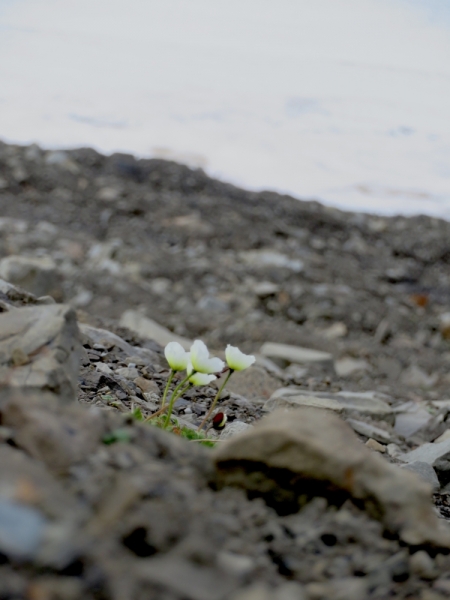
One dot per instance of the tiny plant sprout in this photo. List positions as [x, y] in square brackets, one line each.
[236, 361]
[201, 361]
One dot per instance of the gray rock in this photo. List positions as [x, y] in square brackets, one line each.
[369, 430]
[128, 373]
[271, 258]
[322, 453]
[265, 288]
[416, 377]
[295, 354]
[212, 304]
[410, 419]
[38, 275]
[335, 331]
[109, 193]
[103, 368]
[148, 328]
[393, 450]
[346, 367]
[368, 403]
[426, 472]
[298, 401]
[21, 530]
[423, 565]
[111, 340]
[234, 428]
[235, 564]
[436, 455]
[443, 437]
[61, 159]
[40, 350]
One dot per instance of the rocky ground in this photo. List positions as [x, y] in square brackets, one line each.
[103, 261]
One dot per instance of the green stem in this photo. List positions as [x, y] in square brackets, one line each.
[174, 396]
[169, 381]
[208, 414]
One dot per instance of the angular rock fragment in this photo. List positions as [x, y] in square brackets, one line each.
[425, 471]
[369, 430]
[292, 455]
[411, 418]
[368, 403]
[40, 350]
[435, 455]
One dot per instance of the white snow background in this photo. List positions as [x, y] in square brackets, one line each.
[345, 101]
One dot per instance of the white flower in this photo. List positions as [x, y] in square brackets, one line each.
[176, 356]
[237, 360]
[201, 363]
[201, 379]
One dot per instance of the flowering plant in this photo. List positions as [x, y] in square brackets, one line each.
[201, 369]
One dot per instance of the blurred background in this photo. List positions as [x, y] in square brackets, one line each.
[344, 101]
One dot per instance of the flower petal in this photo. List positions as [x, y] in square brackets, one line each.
[237, 360]
[200, 360]
[176, 356]
[201, 379]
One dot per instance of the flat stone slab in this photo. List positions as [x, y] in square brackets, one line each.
[40, 350]
[297, 401]
[370, 431]
[368, 403]
[295, 354]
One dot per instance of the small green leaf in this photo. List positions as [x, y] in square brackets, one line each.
[118, 435]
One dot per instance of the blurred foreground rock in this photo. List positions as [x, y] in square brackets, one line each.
[291, 456]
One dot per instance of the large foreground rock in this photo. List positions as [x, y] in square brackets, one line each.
[40, 350]
[292, 455]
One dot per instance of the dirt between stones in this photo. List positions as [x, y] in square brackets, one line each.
[94, 504]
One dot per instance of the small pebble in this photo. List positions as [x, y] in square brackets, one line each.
[374, 445]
